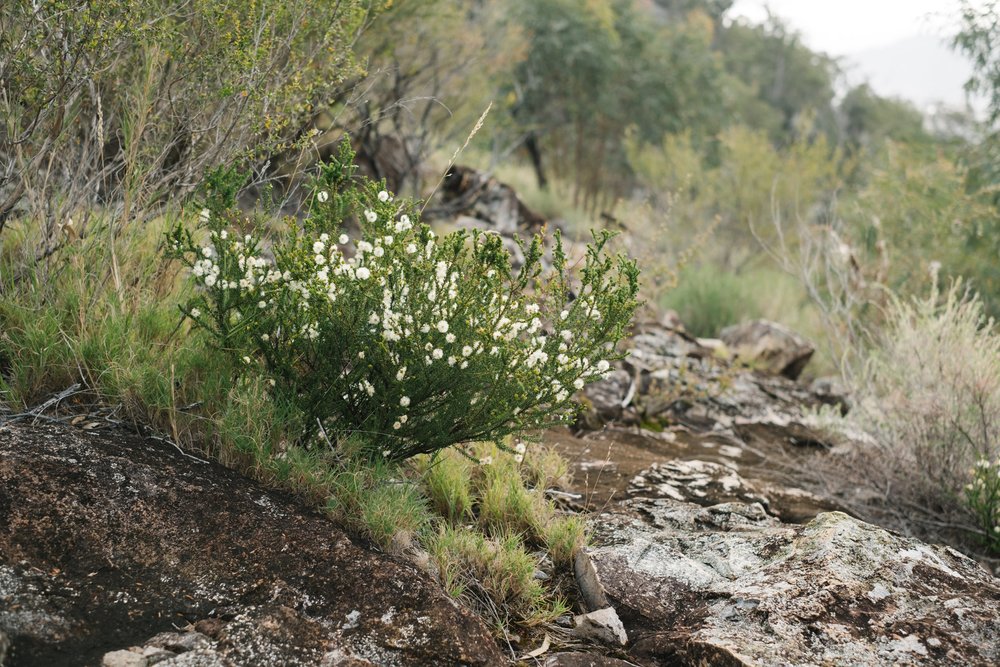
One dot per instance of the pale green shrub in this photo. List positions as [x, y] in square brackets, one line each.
[930, 396]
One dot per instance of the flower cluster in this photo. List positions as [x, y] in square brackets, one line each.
[417, 341]
[982, 496]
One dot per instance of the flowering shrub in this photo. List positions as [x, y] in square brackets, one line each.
[982, 495]
[415, 340]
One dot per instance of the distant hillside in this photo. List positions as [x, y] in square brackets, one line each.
[922, 69]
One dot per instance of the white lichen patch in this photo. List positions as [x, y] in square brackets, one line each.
[352, 620]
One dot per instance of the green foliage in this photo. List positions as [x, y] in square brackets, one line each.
[915, 212]
[447, 477]
[789, 78]
[418, 341]
[496, 516]
[870, 120]
[593, 70]
[137, 353]
[751, 184]
[564, 537]
[930, 395]
[143, 97]
[708, 299]
[506, 504]
[982, 495]
[977, 39]
[496, 574]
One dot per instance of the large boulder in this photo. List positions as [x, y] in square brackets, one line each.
[769, 347]
[122, 550]
[731, 585]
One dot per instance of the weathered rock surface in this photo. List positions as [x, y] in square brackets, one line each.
[701, 482]
[108, 541]
[769, 346]
[731, 585]
[676, 400]
[602, 625]
[579, 659]
[478, 200]
[668, 375]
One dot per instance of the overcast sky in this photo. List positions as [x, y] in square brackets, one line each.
[842, 27]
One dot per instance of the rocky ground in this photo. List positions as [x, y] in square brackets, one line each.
[122, 551]
[708, 546]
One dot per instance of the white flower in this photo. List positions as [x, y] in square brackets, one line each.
[563, 315]
[386, 453]
[437, 353]
[450, 338]
[404, 401]
[363, 273]
[396, 425]
[323, 196]
[265, 337]
[451, 361]
[464, 365]
[383, 196]
[318, 247]
[379, 251]
[467, 351]
[485, 461]
[371, 216]
[204, 215]
[206, 251]
[262, 304]
[210, 280]
[361, 354]
[343, 239]
[400, 374]
[411, 248]
[364, 246]
[442, 326]
[225, 235]
[195, 312]
[388, 240]
[246, 360]
[603, 366]
[373, 318]
[578, 383]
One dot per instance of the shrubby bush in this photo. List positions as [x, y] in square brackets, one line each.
[982, 495]
[930, 396]
[416, 341]
[122, 103]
